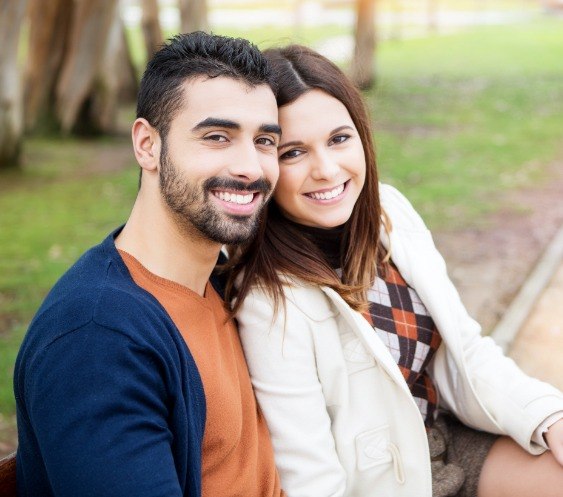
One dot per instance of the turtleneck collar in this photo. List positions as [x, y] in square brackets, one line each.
[329, 241]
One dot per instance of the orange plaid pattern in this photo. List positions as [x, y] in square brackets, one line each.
[405, 326]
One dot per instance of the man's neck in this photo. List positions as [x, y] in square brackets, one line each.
[152, 236]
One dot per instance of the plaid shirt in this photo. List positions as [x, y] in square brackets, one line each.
[403, 323]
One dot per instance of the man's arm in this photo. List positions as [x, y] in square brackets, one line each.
[97, 403]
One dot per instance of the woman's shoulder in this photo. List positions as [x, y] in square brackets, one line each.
[399, 210]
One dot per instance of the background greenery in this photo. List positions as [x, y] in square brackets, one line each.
[459, 120]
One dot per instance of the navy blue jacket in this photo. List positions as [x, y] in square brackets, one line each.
[109, 399]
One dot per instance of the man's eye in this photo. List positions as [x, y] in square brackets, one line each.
[265, 140]
[216, 138]
[291, 154]
[339, 138]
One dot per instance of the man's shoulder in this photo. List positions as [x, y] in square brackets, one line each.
[96, 289]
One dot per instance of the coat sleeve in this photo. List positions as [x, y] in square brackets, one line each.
[280, 353]
[97, 404]
[506, 400]
[517, 403]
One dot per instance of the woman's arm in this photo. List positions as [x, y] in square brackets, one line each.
[280, 354]
[516, 402]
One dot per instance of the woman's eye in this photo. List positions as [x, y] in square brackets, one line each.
[290, 154]
[339, 138]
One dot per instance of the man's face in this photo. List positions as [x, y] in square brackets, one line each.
[218, 163]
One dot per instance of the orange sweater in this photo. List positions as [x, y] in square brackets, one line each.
[238, 458]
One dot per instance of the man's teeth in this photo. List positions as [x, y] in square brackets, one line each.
[235, 198]
[327, 195]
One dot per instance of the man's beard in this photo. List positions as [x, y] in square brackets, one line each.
[194, 209]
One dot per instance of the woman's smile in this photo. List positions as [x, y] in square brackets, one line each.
[328, 195]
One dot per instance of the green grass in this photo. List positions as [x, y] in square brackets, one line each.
[462, 118]
[459, 120]
[49, 215]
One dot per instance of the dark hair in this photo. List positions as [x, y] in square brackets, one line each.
[279, 248]
[186, 56]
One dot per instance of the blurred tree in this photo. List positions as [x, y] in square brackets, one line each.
[151, 27]
[193, 15]
[78, 65]
[116, 81]
[91, 23]
[12, 13]
[363, 62]
[48, 39]
[432, 15]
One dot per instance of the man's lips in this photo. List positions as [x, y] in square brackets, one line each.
[235, 197]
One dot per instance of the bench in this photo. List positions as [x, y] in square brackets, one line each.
[8, 476]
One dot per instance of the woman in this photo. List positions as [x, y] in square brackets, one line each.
[356, 339]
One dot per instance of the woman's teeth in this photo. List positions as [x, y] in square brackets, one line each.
[235, 198]
[327, 195]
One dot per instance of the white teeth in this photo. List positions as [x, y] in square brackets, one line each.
[234, 197]
[327, 195]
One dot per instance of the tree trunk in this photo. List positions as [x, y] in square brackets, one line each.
[363, 63]
[193, 14]
[49, 25]
[11, 113]
[116, 82]
[91, 24]
[152, 32]
[432, 15]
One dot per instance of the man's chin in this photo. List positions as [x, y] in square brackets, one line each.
[233, 230]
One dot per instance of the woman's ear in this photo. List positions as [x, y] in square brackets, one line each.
[146, 145]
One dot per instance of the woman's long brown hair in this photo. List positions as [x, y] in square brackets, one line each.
[281, 249]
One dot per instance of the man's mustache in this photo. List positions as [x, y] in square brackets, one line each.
[261, 185]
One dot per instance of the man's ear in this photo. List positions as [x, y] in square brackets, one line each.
[146, 145]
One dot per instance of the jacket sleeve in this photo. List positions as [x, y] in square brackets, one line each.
[517, 403]
[506, 400]
[280, 353]
[96, 402]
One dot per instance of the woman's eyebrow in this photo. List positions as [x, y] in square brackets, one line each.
[298, 143]
[290, 144]
[340, 128]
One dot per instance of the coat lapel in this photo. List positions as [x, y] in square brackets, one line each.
[368, 338]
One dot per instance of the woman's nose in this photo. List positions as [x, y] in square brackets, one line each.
[324, 167]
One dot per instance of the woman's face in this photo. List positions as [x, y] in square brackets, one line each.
[322, 163]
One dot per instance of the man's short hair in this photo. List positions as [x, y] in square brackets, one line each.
[187, 56]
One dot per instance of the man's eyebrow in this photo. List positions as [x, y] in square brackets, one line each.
[271, 128]
[215, 122]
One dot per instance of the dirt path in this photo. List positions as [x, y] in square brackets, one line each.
[489, 264]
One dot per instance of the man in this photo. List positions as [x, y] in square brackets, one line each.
[131, 381]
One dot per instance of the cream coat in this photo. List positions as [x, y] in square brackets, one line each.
[342, 419]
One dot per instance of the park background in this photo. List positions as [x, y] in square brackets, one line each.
[466, 98]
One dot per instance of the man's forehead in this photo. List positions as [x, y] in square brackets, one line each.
[224, 88]
[229, 99]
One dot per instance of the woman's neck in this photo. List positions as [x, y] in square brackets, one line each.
[329, 241]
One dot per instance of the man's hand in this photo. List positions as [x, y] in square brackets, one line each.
[554, 439]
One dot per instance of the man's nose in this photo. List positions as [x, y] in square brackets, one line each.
[247, 164]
